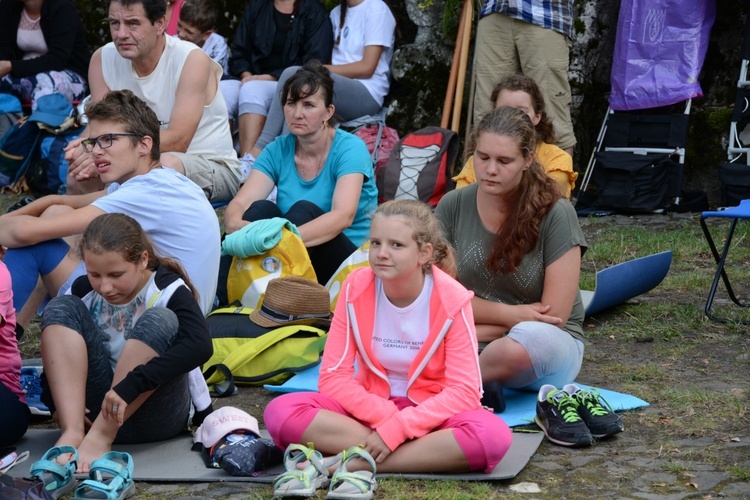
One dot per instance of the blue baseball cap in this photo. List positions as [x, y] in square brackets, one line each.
[9, 104]
[52, 110]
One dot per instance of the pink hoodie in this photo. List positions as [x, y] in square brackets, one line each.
[444, 377]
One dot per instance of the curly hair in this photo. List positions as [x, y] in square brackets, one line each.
[529, 202]
[425, 229]
[521, 83]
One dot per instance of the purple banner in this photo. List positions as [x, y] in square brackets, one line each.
[659, 51]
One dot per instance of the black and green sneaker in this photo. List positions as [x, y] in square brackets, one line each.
[557, 415]
[595, 411]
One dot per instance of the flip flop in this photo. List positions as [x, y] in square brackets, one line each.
[110, 478]
[57, 479]
[359, 484]
[301, 483]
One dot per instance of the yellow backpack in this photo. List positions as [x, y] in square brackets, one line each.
[248, 277]
[360, 258]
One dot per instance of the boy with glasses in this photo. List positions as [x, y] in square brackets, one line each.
[123, 141]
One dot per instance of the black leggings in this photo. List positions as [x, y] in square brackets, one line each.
[14, 417]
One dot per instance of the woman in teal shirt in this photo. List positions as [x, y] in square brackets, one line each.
[324, 176]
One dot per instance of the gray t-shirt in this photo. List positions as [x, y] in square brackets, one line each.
[559, 231]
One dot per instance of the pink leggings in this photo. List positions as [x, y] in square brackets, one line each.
[483, 437]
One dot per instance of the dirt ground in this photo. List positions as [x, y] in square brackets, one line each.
[693, 441]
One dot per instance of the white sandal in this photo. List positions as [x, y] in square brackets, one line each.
[359, 484]
[301, 482]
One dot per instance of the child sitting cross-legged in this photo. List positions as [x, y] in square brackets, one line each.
[413, 404]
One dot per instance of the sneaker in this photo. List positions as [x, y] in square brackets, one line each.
[247, 163]
[31, 384]
[595, 412]
[493, 396]
[557, 415]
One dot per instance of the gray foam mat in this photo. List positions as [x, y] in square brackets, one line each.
[173, 461]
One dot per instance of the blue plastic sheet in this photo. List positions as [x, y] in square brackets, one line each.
[659, 52]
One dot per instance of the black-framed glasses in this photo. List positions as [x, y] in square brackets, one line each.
[104, 141]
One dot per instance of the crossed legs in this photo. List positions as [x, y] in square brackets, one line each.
[471, 440]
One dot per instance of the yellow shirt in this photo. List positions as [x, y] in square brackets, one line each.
[557, 163]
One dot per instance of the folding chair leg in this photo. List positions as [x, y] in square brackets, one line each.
[721, 273]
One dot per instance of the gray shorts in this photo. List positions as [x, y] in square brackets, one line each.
[218, 177]
[556, 355]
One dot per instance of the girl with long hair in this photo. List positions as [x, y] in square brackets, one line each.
[520, 249]
[522, 92]
[414, 403]
[118, 349]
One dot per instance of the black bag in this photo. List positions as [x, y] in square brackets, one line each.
[635, 183]
[735, 183]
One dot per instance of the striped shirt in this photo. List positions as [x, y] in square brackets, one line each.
[556, 15]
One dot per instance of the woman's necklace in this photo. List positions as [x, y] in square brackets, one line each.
[319, 160]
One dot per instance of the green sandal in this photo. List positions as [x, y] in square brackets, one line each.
[301, 482]
[359, 484]
[110, 478]
[57, 479]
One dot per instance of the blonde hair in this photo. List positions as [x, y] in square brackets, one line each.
[425, 229]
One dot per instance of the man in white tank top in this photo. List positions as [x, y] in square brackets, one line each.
[180, 83]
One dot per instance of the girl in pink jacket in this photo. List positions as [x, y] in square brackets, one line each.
[413, 399]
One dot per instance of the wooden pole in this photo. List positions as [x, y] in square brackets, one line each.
[470, 111]
[450, 91]
[467, 18]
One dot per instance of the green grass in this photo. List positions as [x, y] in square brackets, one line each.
[674, 467]
[689, 278]
[741, 473]
[648, 320]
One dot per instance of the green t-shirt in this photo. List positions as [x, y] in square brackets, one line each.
[559, 231]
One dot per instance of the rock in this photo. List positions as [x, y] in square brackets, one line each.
[525, 488]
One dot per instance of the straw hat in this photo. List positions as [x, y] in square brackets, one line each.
[292, 300]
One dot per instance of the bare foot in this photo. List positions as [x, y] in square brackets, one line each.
[68, 438]
[94, 445]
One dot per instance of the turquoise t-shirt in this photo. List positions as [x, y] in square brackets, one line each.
[348, 155]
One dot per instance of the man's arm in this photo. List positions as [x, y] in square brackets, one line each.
[80, 163]
[196, 89]
[24, 230]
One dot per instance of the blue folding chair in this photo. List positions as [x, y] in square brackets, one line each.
[735, 214]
